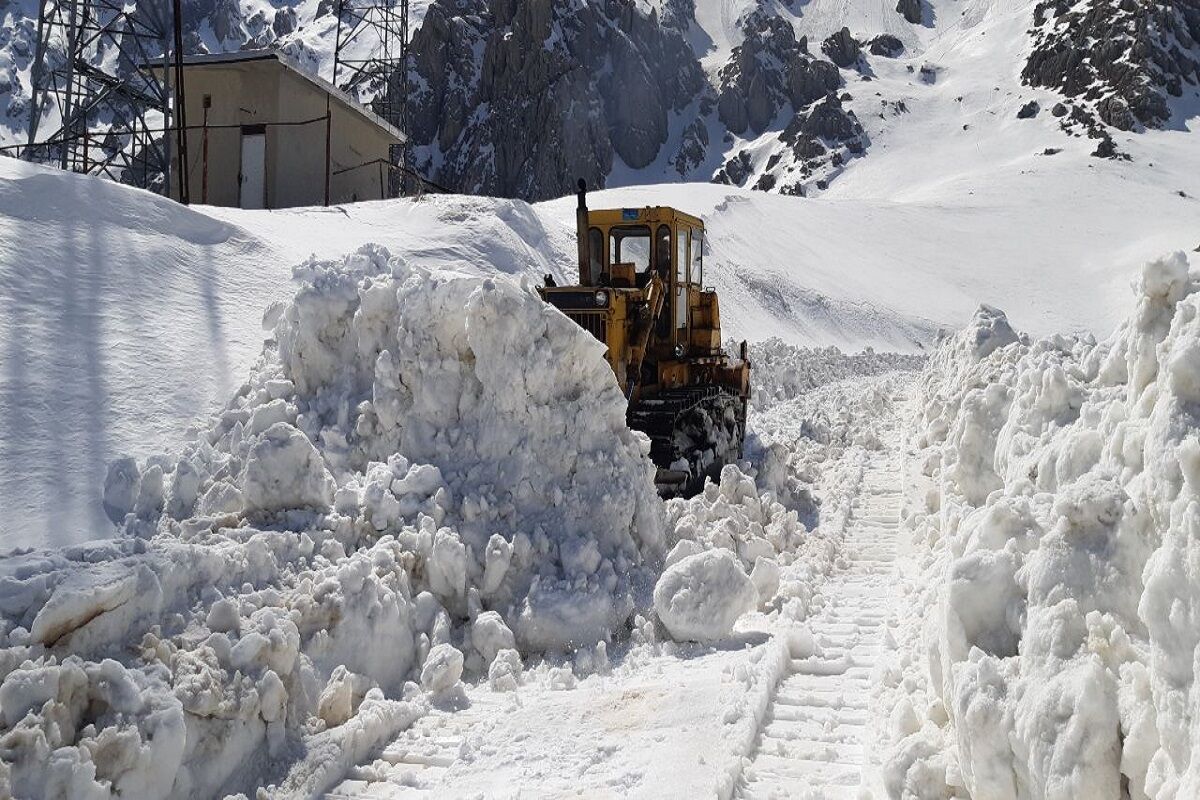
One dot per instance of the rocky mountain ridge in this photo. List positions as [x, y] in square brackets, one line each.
[521, 98]
[775, 115]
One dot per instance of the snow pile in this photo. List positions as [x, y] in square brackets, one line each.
[735, 515]
[782, 371]
[424, 473]
[1050, 649]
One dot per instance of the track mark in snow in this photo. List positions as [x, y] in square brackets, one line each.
[815, 734]
[413, 764]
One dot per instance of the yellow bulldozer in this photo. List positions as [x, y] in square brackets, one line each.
[641, 292]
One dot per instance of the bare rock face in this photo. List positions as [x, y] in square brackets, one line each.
[226, 20]
[736, 170]
[823, 138]
[767, 71]
[842, 48]
[693, 148]
[911, 10]
[565, 89]
[285, 21]
[770, 71]
[885, 45]
[1120, 60]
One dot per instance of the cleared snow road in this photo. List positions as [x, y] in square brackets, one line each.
[816, 735]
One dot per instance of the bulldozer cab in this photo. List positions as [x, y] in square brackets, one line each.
[626, 247]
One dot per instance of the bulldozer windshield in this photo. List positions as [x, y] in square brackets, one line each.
[630, 244]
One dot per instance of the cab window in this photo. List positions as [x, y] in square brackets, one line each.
[681, 259]
[698, 256]
[630, 244]
[595, 255]
[662, 252]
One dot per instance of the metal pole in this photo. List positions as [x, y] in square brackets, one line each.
[39, 66]
[168, 94]
[337, 42]
[204, 177]
[403, 126]
[328, 138]
[180, 107]
[68, 124]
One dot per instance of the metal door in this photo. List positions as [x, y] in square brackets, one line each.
[253, 173]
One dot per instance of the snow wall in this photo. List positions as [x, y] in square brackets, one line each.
[426, 471]
[1051, 647]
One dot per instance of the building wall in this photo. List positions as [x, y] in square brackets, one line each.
[299, 159]
[265, 92]
[241, 94]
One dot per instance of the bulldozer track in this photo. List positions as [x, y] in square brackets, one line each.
[663, 419]
[414, 764]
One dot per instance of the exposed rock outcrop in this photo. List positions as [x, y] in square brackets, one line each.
[885, 45]
[693, 148]
[1119, 59]
[842, 48]
[769, 70]
[285, 21]
[565, 89]
[911, 10]
[771, 79]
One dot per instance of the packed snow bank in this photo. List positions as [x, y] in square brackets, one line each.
[1050, 650]
[783, 371]
[424, 471]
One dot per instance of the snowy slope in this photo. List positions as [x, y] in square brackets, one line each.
[126, 318]
[123, 315]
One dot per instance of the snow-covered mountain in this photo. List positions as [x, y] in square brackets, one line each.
[518, 99]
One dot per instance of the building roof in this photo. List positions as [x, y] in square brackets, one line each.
[345, 99]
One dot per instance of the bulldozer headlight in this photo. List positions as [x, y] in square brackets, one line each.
[679, 351]
[601, 298]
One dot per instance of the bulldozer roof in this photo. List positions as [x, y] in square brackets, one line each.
[646, 214]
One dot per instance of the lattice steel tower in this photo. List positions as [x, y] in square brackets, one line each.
[370, 62]
[98, 106]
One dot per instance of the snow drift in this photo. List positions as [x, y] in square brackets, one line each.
[423, 471]
[1050, 650]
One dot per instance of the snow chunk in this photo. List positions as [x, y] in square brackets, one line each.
[490, 635]
[443, 668]
[700, 597]
[342, 695]
[504, 675]
[284, 470]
